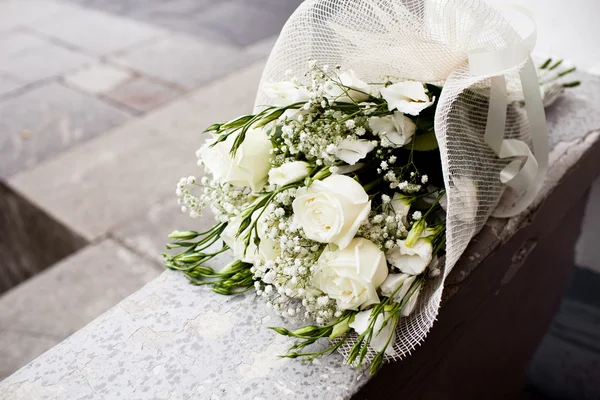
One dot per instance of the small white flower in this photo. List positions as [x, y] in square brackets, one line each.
[401, 204]
[352, 90]
[411, 260]
[381, 333]
[350, 124]
[289, 173]
[417, 215]
[407, 97]
[397, 128]
[410, 304]
[285, 93]
[351, 151]
[397, 285]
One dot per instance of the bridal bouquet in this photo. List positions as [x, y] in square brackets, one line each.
[369, 163]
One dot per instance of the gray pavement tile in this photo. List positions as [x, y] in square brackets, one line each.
[15, 13]
[9, 83]
[233, 22]
[96, 32]
[143, 94]
[262, 48]
[243, 24]
[74, 292]
[47, 120]
[16, 42]
[99, 78]
[109, 180]
[147, 233]
[187, 62]
[38, 62]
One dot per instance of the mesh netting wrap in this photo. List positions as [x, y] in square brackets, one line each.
[427, 41]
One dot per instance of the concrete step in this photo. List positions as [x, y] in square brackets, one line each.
[44, 310]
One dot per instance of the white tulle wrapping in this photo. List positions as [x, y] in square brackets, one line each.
[428, 41]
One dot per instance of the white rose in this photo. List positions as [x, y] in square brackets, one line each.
[331, 210]
[351, 151]
[407, 97]
[289, 173]
[250, 165]
[266, 250]
[411, 260]
[381, 334]
[352, 275]
[397, 128]
[347, 94]
[286, 93]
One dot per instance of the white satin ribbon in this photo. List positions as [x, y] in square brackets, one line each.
[524, 176]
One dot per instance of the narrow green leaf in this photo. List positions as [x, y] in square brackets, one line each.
[269, 118]
[545, 65]
[237, 122]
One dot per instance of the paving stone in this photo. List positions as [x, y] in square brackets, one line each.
[143, 94]
[243, 24]
[16, 42]
[184, 61]
[147, 233]
[30, 240]
[8, 84]
[47, 120]
[29, 58]
[21, 12]
[125, 172]
[74, 292]
[96, 32]
[206, 19]
[148, 7]
[262, 48]
[99, 78]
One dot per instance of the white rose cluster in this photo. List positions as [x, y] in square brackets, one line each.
[328, 203]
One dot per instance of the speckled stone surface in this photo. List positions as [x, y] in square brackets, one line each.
[172, 340]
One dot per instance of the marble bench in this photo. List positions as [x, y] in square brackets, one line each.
[171, 340]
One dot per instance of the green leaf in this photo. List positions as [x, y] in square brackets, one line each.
[269, 118]
[237, 122]
[424, 142]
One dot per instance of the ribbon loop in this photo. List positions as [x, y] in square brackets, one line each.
[523, 176]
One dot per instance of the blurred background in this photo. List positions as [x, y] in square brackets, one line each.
[101, 106]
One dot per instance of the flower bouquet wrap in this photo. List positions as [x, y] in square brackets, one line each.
[385, 134]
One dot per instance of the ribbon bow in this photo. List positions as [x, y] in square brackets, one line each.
[524, 176]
